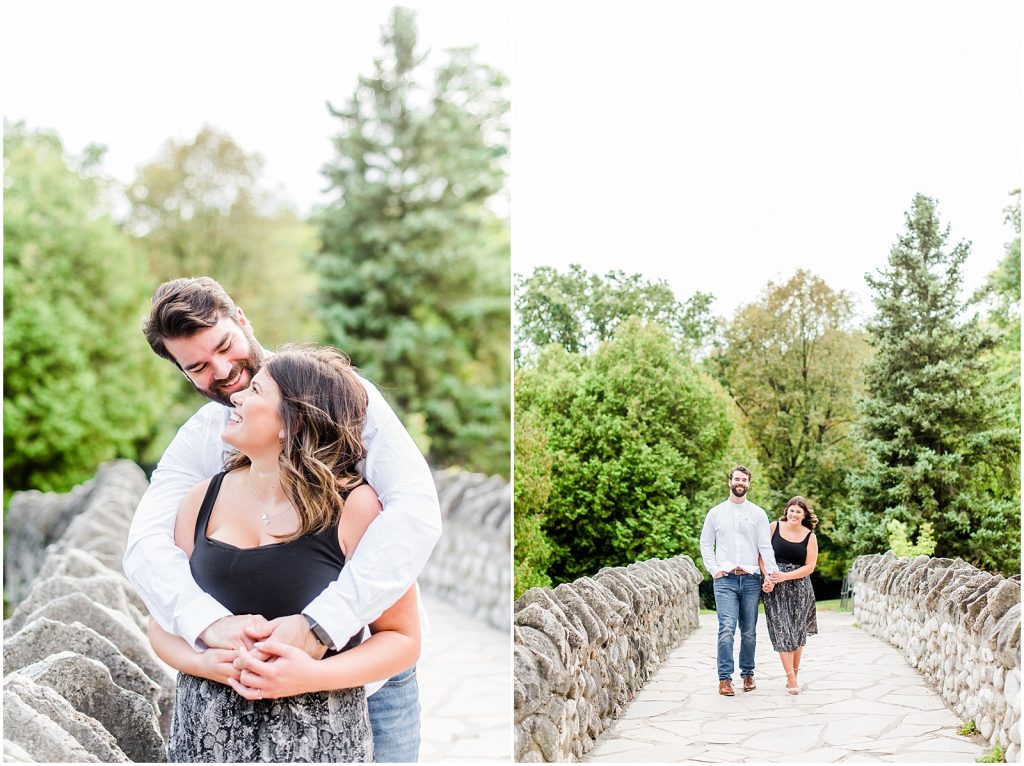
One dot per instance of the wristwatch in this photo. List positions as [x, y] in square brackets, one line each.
[318, 632]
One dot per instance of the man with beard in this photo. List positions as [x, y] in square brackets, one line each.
[734, 533]
[195, 325]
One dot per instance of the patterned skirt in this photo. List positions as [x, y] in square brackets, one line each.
[789, 612]
[211, 723]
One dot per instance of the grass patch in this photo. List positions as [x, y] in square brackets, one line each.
[830, 605]
[967, 728]
[996, 755]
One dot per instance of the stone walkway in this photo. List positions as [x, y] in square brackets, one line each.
[465, 680]
[859, 701]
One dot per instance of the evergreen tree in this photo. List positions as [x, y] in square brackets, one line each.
[939, 448]
[415, 261]
[80, 384]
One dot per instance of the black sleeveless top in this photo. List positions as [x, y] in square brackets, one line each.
[273, 580]
[787, 552]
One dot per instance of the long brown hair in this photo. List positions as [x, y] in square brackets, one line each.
[809, 520]
[323, 407]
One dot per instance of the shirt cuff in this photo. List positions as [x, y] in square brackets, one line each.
[197, 619]
[336, 619]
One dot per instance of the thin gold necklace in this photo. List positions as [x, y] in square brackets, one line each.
[264, 517]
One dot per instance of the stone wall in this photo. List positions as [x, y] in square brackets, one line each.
[959, 626]
[81, 683]
[584, 649]
[471, 566]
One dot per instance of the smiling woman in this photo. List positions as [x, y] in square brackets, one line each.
[296, 429]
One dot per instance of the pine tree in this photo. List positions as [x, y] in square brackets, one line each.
[415, 261]
[939, 448]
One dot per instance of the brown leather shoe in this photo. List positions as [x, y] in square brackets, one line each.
[748, 684]
[725, 687]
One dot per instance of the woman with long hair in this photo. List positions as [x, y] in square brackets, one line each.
[264, 537]
[789, 602]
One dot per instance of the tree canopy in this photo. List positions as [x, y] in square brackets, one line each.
[80, 384]
[415, 259]
[638, 442]
[792, 361]
[201, 207]
[578, 311]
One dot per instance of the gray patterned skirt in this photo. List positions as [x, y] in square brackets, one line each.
[211, 723]
[789, 612]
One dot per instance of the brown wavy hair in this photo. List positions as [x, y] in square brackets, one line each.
[323, 407]
[810, 520]
[183, 307]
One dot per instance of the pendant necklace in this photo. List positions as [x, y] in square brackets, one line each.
[264, 517]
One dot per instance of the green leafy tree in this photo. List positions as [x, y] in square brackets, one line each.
[578, 310]
[200, 208]
[415, 260]
[532, 488]
[637, 439]
[940, 448]
[791, 361]
[1001, 295]
[899, 539]
[80, 384]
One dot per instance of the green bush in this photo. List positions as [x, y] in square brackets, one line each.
[80, 384]
[638, 441]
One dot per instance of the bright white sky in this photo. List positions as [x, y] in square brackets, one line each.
[717, 145]
[131, 74]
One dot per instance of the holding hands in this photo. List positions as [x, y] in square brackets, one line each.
[260, 658]
[287, 671]
[292, 630]
[771, 579]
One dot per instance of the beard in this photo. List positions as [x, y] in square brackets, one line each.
[739, 491]
[250, 364]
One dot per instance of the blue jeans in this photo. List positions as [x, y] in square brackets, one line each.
[736, 602]
[395, 719]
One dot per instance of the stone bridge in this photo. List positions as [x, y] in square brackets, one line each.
[620, 667]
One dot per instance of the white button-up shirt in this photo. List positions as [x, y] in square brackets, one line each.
[390, 555]
[733, 535]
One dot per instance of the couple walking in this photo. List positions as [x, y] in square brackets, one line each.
[736, 543]
[279, 589]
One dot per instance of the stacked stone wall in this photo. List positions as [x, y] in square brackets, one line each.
[584, 649]
[471, 566]
[959, 626]
[81, 683]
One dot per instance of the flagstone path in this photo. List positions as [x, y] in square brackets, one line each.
[860, 701]
[465, 681]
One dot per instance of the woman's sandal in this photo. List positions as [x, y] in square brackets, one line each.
[794, 689]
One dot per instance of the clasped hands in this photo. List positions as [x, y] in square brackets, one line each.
[773, 579]
[260, 658]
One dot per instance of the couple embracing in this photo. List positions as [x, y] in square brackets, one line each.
[737, 543]
[277, 548]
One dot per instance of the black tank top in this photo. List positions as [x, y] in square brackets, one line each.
[274, 580]
[787, 552]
